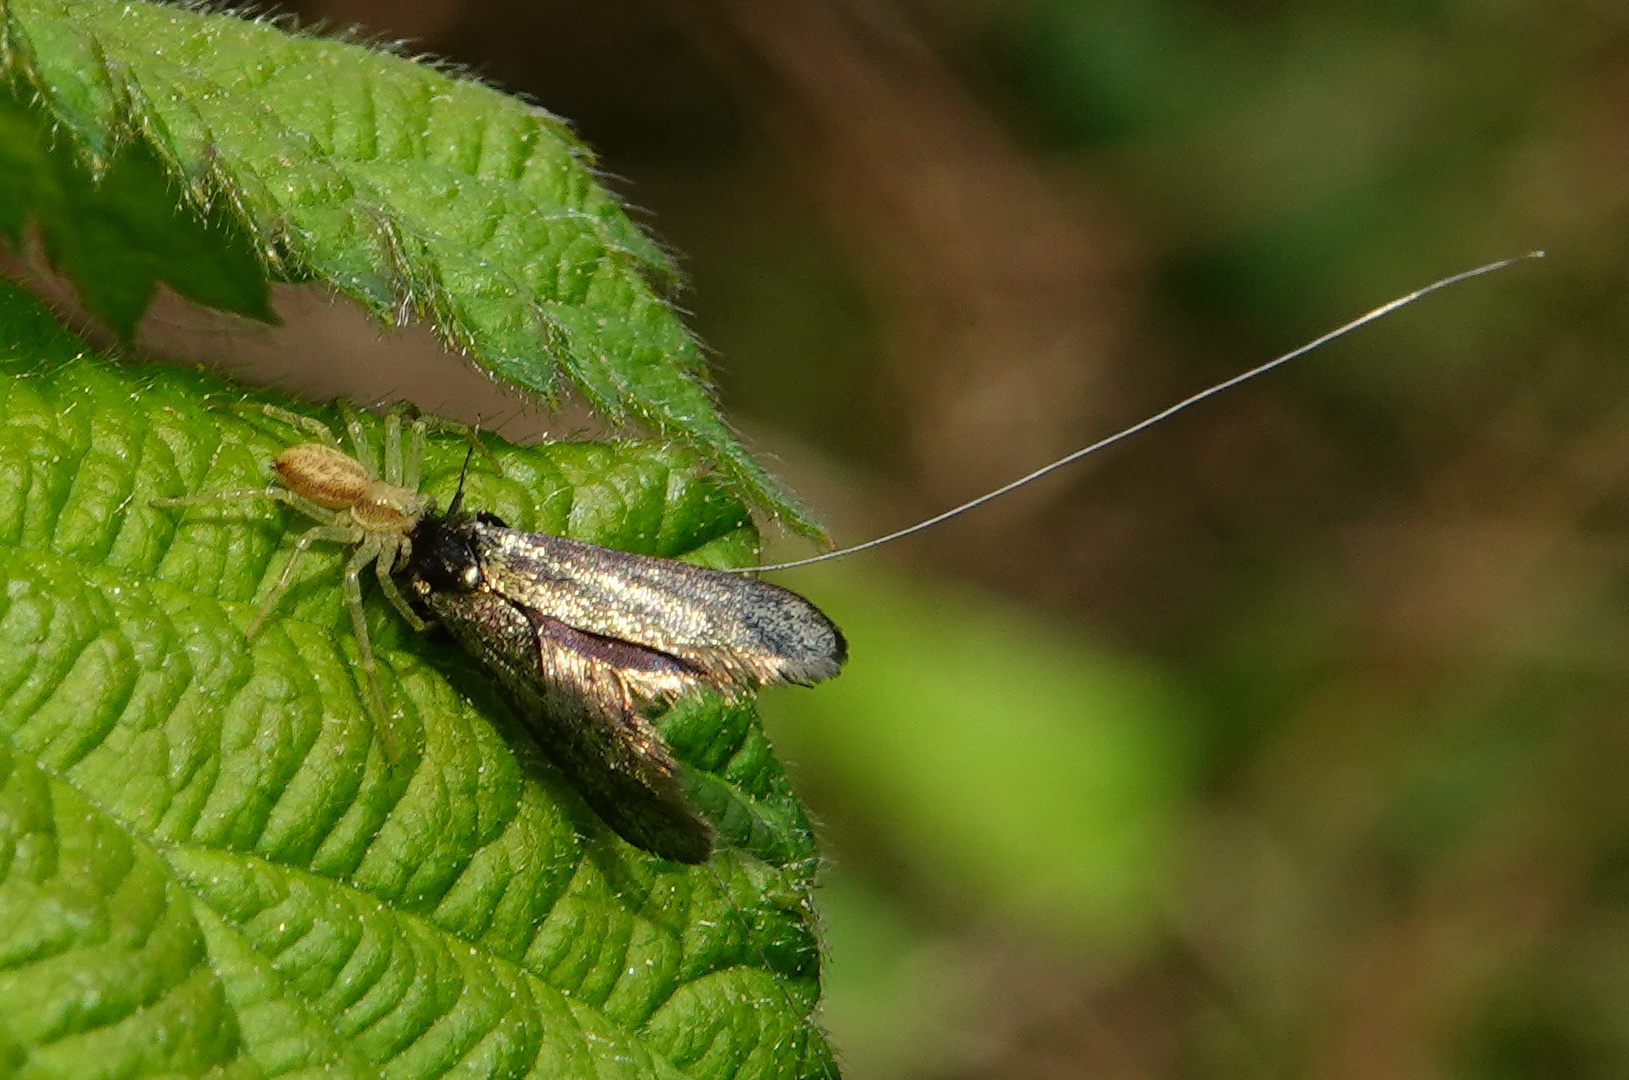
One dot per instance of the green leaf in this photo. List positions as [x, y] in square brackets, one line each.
[208, 868]
[221, 147]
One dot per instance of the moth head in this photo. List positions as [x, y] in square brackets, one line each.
[442, 559]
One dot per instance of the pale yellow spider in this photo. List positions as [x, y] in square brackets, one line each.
[352, 505]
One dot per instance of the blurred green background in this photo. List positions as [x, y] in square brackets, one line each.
[1288, 740]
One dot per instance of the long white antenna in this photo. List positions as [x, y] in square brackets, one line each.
[1379, 312]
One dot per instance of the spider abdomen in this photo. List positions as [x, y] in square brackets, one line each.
[328, 477]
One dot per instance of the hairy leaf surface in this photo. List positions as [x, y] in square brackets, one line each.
[156, 143]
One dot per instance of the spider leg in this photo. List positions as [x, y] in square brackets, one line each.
[401, 469]
[343, 534]
[359, 438]
[455, 427]
[368, 552]
[392, 462]
[274, 493]
[390, 550]
[207, 497]
[308, 424]
[413, 462]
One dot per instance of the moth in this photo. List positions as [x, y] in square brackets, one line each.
[582, 641]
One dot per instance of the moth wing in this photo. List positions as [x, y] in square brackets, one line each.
[589, 725]
[579, 696]
[735, 629]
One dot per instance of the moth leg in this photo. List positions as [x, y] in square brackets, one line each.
[274, 493]
[359, 439]
[308, 424]
[368, 552]
[342, 534]
[390, 549]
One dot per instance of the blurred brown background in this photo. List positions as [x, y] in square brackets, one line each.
[1289, 740]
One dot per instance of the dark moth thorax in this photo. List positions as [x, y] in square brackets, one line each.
[581, 639]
